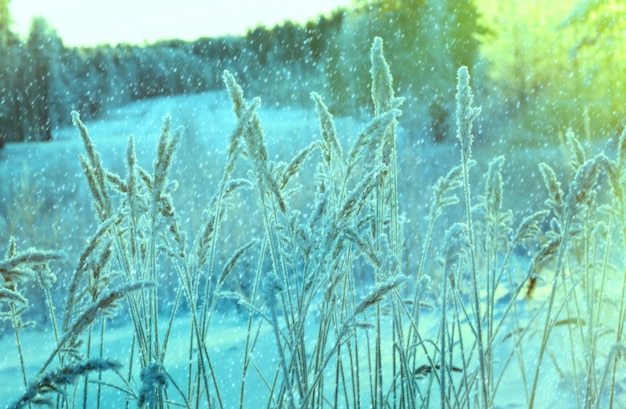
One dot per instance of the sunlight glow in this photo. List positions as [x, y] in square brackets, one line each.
[91, 22]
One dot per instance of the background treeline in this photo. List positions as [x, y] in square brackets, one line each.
[538, 66]
[41, 80]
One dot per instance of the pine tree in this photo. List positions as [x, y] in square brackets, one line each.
[38, 62]
[8, 75]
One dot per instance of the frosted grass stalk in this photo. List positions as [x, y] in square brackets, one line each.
[382, 88]
[106, 303]
[96, 179]
[615, 170]
[456, 245]
[442, 196]
[167, 146]
[94, 171]
[384, 101]
[373, 298]
[617, 351]
[271, 287]
[328, 187]
[132, 196]
[496, 226]
[77, 276]
[46, 279]
[53, 381]
[269, 193]
[581, 193]
[332, 148]
[15, 268]
[465, 119]
[17, 302]
[369, 144]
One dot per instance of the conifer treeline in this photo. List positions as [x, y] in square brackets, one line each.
[41, 80]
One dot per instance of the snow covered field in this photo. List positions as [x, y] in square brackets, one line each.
[227, 339]
[56, 183]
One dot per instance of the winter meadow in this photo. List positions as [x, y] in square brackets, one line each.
[208, 250]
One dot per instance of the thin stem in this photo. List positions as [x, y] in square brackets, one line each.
[549, 322]
[18, 342]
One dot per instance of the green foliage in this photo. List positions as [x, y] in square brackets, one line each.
[556, 65]
[5, 21]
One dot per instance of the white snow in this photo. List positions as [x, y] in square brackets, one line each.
[208, 120]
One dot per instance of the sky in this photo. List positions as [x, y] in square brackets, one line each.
[91, 22]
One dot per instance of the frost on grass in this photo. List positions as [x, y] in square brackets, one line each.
[466, 113]
[43, 389]
[301, 276]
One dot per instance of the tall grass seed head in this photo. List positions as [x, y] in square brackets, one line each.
[583, 188]
[456, 245]
[271, 287]
[382, 82]
[465, 112]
